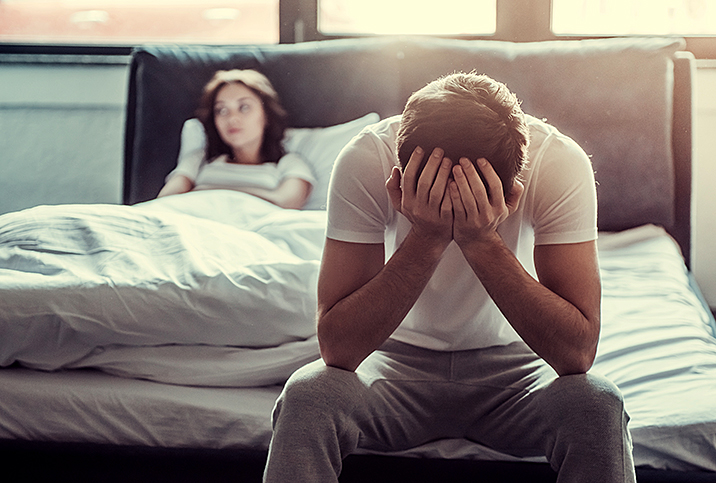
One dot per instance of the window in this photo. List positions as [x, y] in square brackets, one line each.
[634, 17]
[445, 17]
[130, 22]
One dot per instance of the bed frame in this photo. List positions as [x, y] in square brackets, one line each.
[83, 462]
[628, 102]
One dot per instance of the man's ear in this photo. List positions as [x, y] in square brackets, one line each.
[512, 200]
[395, 192]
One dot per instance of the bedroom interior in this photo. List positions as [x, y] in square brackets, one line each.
[135, 394]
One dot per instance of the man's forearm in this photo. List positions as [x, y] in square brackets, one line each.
[358, 324]
[558, 331]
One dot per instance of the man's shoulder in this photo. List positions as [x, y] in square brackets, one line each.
[540, 129]
[544, 135]
[374, 144]
[383, 132]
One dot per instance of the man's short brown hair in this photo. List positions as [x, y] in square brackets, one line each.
[467, 115]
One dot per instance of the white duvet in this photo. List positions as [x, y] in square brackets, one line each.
[206, 288]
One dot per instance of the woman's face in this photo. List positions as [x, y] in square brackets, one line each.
[240, 119]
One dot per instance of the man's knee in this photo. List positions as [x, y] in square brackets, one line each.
[587, 404]
[588, 392]
[588, 429]
[316, 390]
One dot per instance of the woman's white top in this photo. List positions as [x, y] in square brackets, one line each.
[221, 173]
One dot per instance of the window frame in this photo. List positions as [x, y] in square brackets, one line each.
[517, 21]
[530, 21]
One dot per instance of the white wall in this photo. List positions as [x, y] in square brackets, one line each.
[61, 141]
[61, 132]
[704, 174]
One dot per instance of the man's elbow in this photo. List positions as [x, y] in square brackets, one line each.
[580, 362]
[338, 362]
[337, 359]
[333, 352]
[579, 365]
[581, 357]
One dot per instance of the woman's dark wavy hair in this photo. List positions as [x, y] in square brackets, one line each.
[272, 147]
[467, 115]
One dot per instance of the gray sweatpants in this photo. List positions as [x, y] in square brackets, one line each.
[402, 396]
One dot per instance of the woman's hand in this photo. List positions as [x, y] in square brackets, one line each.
[177, 184]
[422, 196]
[292, 193]
[479, 210]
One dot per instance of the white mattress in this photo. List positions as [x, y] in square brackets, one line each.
[96, 407]
[657, 345]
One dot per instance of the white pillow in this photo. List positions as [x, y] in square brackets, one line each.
[319, 147]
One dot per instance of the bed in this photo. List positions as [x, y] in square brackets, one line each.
[149, 340]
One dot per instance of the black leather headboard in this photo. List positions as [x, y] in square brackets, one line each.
[627, 102]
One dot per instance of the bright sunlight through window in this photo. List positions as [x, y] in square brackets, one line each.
[445, 17]
[634, 17]
[138, 21]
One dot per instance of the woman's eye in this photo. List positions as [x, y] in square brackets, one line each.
[220, 111]
[244, 108]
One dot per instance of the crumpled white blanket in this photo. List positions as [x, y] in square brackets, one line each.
[209, 288]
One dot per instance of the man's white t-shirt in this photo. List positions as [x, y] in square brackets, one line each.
[454, 312]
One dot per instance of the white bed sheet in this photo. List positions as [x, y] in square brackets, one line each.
[657, 345]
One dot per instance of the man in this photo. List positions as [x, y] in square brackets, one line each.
[483, 319]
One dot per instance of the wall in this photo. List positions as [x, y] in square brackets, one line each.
[61, 131]
[61, 141]
[704, 175]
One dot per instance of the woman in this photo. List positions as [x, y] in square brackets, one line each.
[244, 125]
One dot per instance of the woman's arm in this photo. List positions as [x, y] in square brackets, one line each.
[176, 185]
[292, 193]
